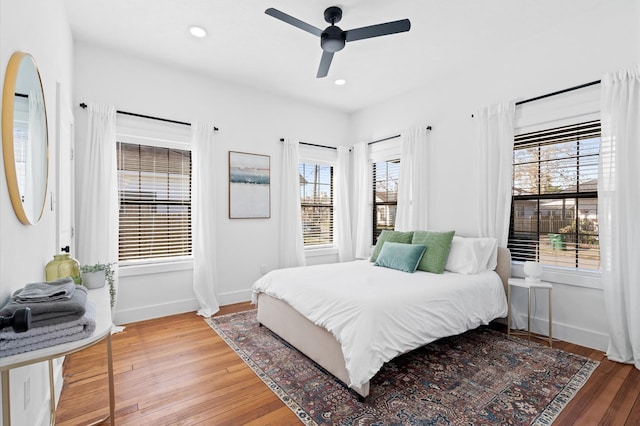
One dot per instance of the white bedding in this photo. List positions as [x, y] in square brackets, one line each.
[378, 313]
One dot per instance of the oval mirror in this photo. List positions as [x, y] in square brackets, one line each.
[24, 138]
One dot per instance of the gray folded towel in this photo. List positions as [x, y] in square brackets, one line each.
[61, 289]
[12, 343]
[51, 313]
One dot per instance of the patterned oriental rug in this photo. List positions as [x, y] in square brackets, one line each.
[477, 378]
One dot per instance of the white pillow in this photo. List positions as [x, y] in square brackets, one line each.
[472, 255]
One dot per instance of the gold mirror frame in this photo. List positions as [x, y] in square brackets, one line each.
[8, 105]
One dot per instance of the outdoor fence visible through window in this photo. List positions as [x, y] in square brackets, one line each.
[554, 213]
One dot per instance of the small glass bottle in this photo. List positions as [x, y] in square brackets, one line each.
[63, 265]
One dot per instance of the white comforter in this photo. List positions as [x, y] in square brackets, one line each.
[378, 313]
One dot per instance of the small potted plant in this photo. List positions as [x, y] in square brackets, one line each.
[95, 276]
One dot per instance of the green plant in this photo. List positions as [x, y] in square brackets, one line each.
[108, 276]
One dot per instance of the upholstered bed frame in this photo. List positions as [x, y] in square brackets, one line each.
[316, 342]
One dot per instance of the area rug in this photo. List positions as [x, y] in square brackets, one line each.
[477, 378]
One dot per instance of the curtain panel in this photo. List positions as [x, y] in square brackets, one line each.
[494, 159]
[619, 210]
[203, 217]
[291, 241]
[342, 214]
[413, 180]
[362, 201]
[97, 209]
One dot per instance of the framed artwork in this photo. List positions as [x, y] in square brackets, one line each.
[249, 186]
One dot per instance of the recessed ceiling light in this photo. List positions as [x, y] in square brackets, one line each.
[197, 31]
[340, 82]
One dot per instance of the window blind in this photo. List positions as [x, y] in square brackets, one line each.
[316, 202]
[385, 195]
[554, 216]
[154, 186]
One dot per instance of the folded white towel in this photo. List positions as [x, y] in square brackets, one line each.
[12, 343]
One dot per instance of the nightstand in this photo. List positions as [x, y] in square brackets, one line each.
[521, 282]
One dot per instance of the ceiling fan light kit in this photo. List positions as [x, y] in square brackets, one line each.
[333, 38]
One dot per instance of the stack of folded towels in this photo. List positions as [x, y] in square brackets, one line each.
[60, 313]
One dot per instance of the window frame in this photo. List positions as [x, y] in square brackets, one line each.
[161, 134]
[331, 206]
[567, 275]
[375, 231]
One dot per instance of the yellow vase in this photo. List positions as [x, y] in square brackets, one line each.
[63, 265]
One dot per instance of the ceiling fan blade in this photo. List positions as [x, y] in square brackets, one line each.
[325, 63]
[293, 21]
[378, 30]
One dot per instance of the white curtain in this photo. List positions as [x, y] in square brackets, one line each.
[362, 183]
[619, 211]
[291, 242]
[494, 159]
[97, 213]
[342, 215]
[36, 161]
[203, 217]
[412, 181]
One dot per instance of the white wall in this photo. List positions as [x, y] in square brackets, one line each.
[248, 120]
[580, 51]
[38, 27]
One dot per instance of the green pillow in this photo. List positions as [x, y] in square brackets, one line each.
[438, 246]
[392, 236]
[403, 257]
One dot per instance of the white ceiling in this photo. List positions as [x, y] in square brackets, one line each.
[248, 47]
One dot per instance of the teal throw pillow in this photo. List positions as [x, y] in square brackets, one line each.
[403, 257]
[438, 247]
[392, 236]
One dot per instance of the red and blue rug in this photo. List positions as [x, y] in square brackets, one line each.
[477, 378]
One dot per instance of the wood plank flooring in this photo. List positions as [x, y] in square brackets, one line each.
[177, 371]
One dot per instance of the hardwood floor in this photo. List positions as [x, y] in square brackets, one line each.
[177, 371]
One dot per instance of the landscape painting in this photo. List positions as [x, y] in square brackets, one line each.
[249, 185]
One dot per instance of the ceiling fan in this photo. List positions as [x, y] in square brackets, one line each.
[333, 39]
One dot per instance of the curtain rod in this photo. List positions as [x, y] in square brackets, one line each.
[559, 92]
[133, 114]
[333, 147]
[313, 144]
[391, 137]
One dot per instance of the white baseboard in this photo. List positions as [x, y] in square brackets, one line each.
[569, 333]
[155, 311]
[178, 307]
[234, 297]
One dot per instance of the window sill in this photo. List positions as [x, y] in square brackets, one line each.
[132, 269]
[583, 278]
[320, 251]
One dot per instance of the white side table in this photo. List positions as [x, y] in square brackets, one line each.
[521, 282]
[103, 332]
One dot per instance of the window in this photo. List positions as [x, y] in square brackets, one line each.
[554, 216]
[385, 196]
[154, 186]
[316, 196]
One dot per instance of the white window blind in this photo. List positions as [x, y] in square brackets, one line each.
[154, 186]
[554, 216]
[316, 202]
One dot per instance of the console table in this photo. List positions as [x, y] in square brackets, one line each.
[102, 332]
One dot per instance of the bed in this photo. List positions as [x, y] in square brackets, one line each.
[350, 318]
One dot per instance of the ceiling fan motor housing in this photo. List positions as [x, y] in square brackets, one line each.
[332, 39]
